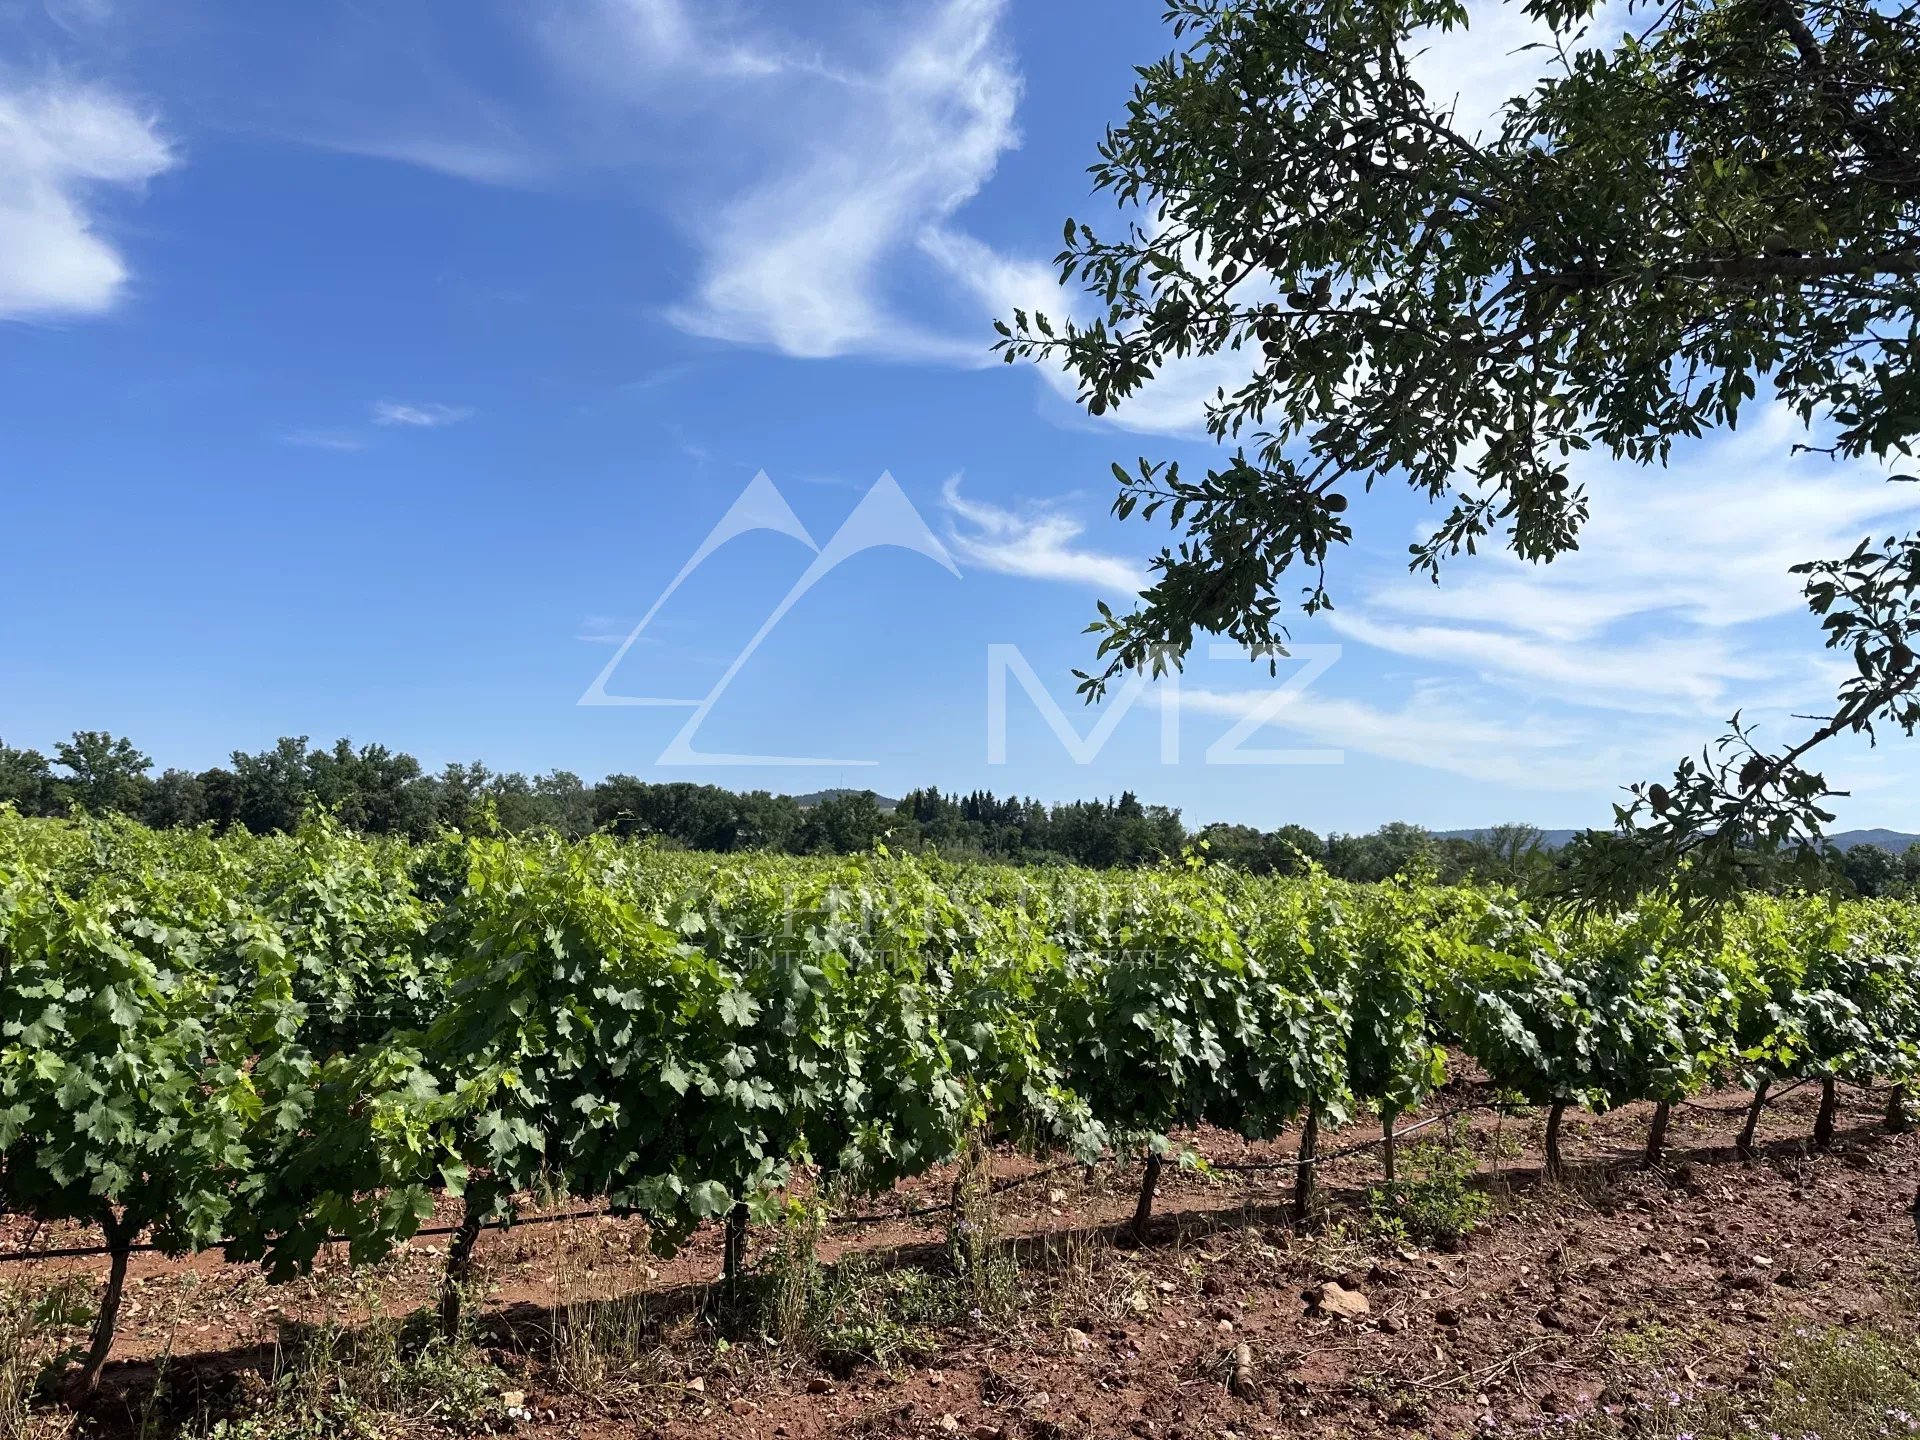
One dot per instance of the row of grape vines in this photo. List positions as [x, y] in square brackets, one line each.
[270, 1043]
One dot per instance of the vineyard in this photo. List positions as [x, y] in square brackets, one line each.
[275, 1044]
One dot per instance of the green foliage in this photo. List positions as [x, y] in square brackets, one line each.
[149, 1040]
[274, 1040]
[353, 1383]
[1433, 1202]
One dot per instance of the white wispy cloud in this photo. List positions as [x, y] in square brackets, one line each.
[1502, 52]
[79, 15]
[811, 259]
[423, 416]
[613, 42]
[806, 170]
[605, 630]
[340, 440]
[1439, 727]
[60, 143]
[1038, 544]
[1679, 674]
[1711, 538]
[1662, 605]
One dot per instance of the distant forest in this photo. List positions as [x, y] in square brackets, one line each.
[388, 792]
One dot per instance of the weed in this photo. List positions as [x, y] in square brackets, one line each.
[598, 1347]
[40, 1335]
[1078, 1286]
[1829, 1384]
[1435, 1202]
[795, 1266]
[984, 1265]
[853, 1314]
[338, 1382]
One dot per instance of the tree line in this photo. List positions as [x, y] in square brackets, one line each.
[379, 791]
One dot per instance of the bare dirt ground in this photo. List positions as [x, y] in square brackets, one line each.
[1693, 1270]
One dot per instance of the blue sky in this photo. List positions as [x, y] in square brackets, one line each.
[372, 370]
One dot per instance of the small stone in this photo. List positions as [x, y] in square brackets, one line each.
[696, 1386]
[949, 1422]
[743, 1407]
[1390, 1325]
[818, 1386]
[1078, 1339]
[1336, 1300]
[514, 1399]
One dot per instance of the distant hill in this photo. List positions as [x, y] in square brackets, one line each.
[1895, 840]
[817, 797]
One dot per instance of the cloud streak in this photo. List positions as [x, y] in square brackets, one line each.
[798, 261]
[1663, 607]
[422, 416]
[62, 144]
[1036, 546]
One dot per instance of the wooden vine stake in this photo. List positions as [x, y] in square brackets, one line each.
[1143, 1211]
[1744, 1145]
[120, 1231]
[1657, 1135]
[1823, 1122]
[734, 1253]
[458, 1276]
[1556, 1167]
[1304, 1167]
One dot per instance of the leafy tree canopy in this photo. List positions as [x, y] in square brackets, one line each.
[1723, 198]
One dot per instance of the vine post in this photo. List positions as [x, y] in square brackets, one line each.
[458, 1276]
[1898, 1121]
[1657, 1135]
[1744, 1145]
[1823, 1122]
[1143, 1211]
[1556, 1165]
[734, 1253]
[120, 1231]
[1304, 1167]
